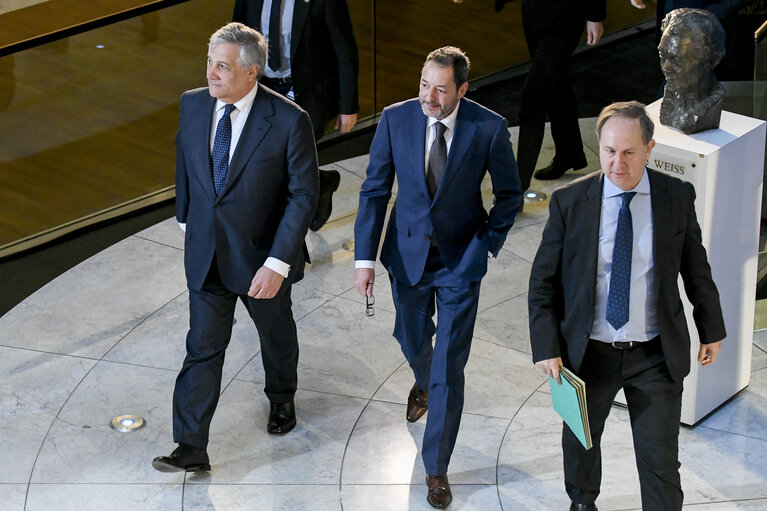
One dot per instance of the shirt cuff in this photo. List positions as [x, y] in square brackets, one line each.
[278, 266]
[183, 226]
[365, 264]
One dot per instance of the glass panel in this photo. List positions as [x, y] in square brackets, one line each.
[88, 121]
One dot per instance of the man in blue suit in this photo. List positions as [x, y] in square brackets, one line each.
[439, 146]
[246, 190]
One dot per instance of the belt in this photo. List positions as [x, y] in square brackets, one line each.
[278, 81]
[624, 345]
[630, 345]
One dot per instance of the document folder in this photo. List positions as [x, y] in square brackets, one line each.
[569, 400]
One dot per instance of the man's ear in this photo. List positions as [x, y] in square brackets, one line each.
[463, 89]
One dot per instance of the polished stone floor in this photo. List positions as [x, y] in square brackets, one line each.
[106, 338]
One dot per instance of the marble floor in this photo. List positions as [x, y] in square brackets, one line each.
[107, 338]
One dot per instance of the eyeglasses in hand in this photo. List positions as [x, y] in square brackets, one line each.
[369, 302]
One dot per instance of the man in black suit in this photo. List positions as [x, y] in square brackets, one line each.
[604, 302]
[553, 29]
[312, 60]
[246, 189]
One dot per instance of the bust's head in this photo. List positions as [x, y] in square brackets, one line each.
[691, 46]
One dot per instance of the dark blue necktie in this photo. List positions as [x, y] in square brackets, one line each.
[275, 59]
[620, 274]
[219, 157]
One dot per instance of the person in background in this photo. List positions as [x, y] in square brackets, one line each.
[312, 60]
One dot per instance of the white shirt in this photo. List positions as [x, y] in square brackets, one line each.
[286, 27]
[642, 324]
[238, 116]
[431, 135]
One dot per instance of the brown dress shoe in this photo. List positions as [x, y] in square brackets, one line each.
[439, 495]
[417, 404]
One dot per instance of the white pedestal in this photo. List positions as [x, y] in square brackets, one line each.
[725, 166]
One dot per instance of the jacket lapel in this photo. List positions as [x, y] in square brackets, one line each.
[201, 142]
[300, 13]
[256, 127]
[591, 215]
[459, 147]
[416, 136]
[661, 204]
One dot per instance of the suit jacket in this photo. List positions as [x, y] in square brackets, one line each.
[464, 230]
[563, 278]
[323, 55]
[268, 198]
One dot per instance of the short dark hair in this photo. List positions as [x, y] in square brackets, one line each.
[451, 56]
[632, 110]
[252, 44]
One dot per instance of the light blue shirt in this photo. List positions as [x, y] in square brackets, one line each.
[642, 324]
[286, 28]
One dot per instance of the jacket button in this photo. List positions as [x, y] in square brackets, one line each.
[427, 237]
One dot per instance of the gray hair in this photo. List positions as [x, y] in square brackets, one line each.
[252, 44]
[632, 110]
[451, 56]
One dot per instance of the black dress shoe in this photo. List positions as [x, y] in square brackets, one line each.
[558, 167]
[184, 458]
[439, 495]
[329, 181]
[417, 404]
[282, 418]
[577, 506]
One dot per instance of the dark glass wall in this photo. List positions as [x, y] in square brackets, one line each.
[89, 91]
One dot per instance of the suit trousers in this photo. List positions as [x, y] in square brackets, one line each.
[439, 367]
[547, 90]
[654, 402]
[211, 313]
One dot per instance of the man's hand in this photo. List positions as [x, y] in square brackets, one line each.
[345, 122]
[639, 4]
[265, 283]
[363, 280]
[594, 31]
[550, 367]
[708, 353]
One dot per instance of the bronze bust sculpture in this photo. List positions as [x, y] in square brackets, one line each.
[691, 45]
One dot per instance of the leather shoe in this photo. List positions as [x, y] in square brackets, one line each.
[558, 167]
[417, 404]
[577, 506]
[282, 418]
[184, 458]
[329, 181]
[439, 495]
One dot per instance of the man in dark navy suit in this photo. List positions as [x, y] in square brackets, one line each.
[439, 147]
[246, 190]
[604, 302]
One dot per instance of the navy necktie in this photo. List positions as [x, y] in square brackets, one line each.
[620, 274]
[275, 59]
[437, 159]
[219, 157]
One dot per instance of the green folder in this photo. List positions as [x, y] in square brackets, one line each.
[569, 400]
